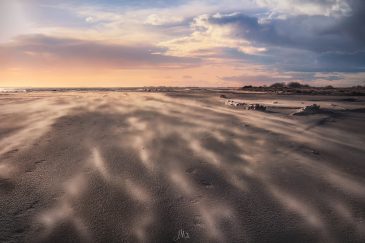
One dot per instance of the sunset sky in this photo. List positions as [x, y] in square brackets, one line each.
[181, 43]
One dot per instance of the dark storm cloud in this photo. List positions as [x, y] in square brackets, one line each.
[288, 59]
[354, 24]
[40, 49]
[314, 33]
[334, 78]
[304, 43]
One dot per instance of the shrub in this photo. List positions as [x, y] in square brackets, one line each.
[278, 85]
[294, 85]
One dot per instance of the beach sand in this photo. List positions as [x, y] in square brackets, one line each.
[180, 166]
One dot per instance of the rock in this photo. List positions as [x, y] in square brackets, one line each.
[311, 109]
[223, 96]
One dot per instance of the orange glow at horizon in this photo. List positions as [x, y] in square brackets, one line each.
[87, 77]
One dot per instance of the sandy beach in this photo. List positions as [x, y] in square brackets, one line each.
[180, 167]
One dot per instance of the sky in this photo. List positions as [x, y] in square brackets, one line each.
[207, 43]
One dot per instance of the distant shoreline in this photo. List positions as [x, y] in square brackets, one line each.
[307, 90]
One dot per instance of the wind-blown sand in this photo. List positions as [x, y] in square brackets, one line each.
[141, 167]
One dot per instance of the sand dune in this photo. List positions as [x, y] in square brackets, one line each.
[179, 166]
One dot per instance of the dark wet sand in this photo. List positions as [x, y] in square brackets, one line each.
[140, 167]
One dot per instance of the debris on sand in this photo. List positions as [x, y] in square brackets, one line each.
[255, 107]
[235, 103]
[156, 90]
[308, 110]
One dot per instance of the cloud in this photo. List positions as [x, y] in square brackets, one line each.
[353, 24]
[269, 78]
[296, 60]
[306, 7]
[332, 77]
[156, 19]
[207, 40]
[273, 77]
[313, 33]
[260, 78]
[297, 43]
[43, 50]
[13, 19]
